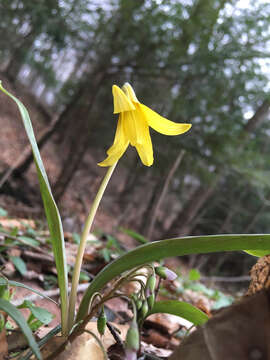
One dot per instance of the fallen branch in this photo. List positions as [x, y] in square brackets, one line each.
[49, 293]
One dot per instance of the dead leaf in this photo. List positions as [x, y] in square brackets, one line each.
[171, 322]
[153, 350]
[260, 275]
[14, 252]
[20, 224]
[9, 270]
[241, 331]
[84, 347]
[3, 344]
[16, 341]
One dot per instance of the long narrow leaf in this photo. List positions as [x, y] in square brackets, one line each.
[182, 309]
[4, 281]
[51, 210]
[15, 314]
[171, 247]
[43, 341]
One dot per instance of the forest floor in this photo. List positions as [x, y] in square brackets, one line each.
[19, 222]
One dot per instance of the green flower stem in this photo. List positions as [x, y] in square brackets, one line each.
[79, 257]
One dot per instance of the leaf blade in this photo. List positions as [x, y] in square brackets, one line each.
[182, 309]
[4, 281]
[172, 247]
[51, 210]
[15, 314]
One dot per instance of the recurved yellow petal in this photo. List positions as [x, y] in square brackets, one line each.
[114, 156]
[120, 101]
[161, 124]
[128, 90]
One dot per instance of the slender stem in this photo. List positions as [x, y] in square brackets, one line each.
[79, 257]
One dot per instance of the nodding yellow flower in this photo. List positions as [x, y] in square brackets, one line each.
[133, 126]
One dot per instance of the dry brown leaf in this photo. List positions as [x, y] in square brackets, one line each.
[16, 341]
[3, 345]
[118, 305]
[172, 322]
[14, 252]
[84, 347]
[9, 270]
[90, 254]
[241, 331]
[151, 349]
[20, 224]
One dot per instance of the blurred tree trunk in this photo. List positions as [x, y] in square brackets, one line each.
[159, 193]
[77, 113]
[148, 213]
[20, 169]
[226, 225]
[24, 162]
[130, 182]
[202, 9]
[184, 222]
[77, 129]
[255, 218]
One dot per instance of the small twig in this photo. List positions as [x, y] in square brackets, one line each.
[114, 331]
[15, 238]
[43, 257]
[49, 293]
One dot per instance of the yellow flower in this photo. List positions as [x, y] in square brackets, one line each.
[133, 126]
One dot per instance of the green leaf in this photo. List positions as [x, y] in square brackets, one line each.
[180, 308]
[19, 264]
[39, 313]
[29, 241]
[43, 341]
[258, 253]
[222, 302]
[106, 254]
[76, 238]
[84, 277]
[140, 238]
[51, 210]
[198, 287]
[14, 231]
[167, 248]
[4, 281]
[15, 314]
[3, 212]
[194, 275]
[35, 325]
[31, 232]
